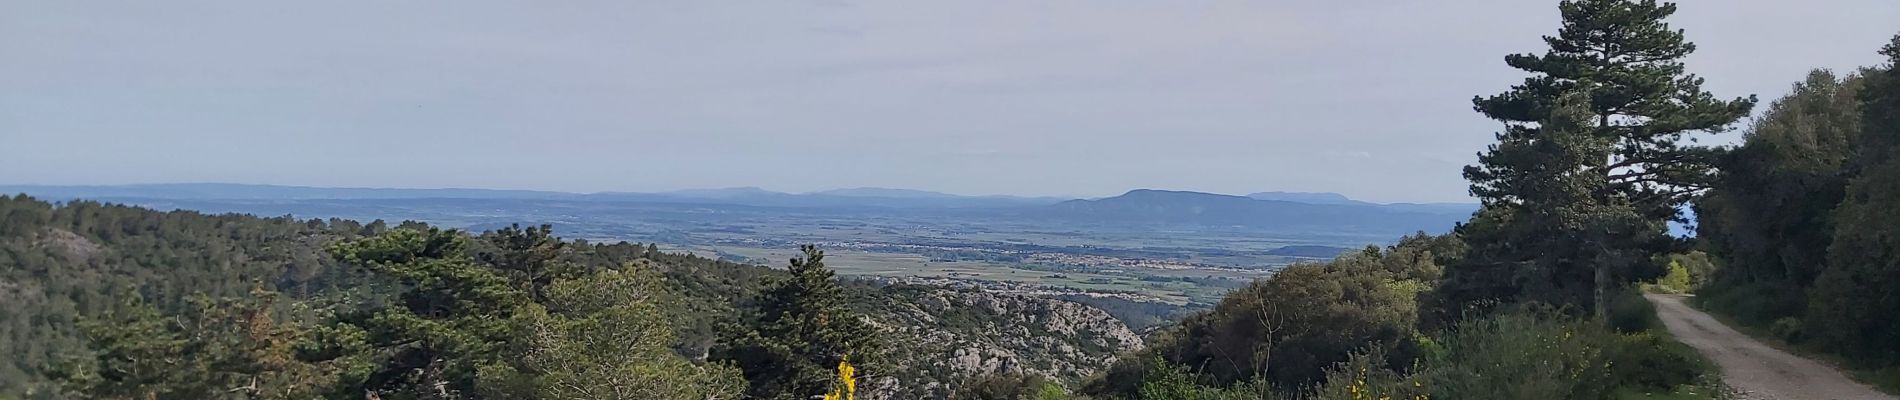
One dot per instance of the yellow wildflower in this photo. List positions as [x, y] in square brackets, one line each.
[848, 376]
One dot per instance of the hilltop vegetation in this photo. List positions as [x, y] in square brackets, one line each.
[109, 301]
[1289, 329]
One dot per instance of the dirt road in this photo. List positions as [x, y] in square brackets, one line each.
[1758, 371]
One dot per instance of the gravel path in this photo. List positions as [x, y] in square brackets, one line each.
[1760, 372]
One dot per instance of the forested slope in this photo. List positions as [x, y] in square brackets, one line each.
[59, 263]
[68, 272]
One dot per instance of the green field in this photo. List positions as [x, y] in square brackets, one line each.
[862, 263]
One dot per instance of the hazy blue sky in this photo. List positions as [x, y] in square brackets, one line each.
[1364, 97]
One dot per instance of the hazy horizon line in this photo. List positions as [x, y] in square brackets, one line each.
[761, 188]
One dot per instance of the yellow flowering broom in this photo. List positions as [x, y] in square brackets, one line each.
[847, 376]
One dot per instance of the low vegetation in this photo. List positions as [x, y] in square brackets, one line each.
[1525, 354]
[1287, 329]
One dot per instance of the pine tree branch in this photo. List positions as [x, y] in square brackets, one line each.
[1646, 176]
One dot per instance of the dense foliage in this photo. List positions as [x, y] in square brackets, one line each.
[443, 325]
[1771, 217]
[1803, 225]
[58, 264]
[799, 332]
[1287, 329]
[1857, 299]
[121, 302]
[1523, 355]
[617, 310]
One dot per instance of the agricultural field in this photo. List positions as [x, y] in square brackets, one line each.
[1177, 286]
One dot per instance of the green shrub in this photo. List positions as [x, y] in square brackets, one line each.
[1168, 381]
[1752, 304]
[1522, 355]
[1364, 377]
[1654, 363]
[1697, 269]
[1676, 280]
[1855, 311]
[1530, 355]
[1629, 312]
[1427, 347]
[1049, 391]
[1002, 386]
[1010, 386]
[1292, 326]
[1788, 329]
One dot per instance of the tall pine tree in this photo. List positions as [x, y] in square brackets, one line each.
[528, 257]
[451, 320]
[1596, 155]
[798, 334]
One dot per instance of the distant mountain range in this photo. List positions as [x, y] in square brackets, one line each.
[1336, 198]
[234, 191]
[1279, 211]
[1318, 211]
[838, 198]
[1306, 197]
[752, 196]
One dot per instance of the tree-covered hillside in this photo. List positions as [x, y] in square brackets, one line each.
[58, 264]
[107, 301]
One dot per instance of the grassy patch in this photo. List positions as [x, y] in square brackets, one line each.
[851, 262]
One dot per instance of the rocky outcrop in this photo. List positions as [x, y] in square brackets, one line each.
[938, 338]
[76, 249]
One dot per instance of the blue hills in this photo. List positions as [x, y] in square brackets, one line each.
[1277, 211]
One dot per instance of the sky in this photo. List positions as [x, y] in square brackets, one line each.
[1369, 98]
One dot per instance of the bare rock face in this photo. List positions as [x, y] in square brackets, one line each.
[77, 249]
[939, 338]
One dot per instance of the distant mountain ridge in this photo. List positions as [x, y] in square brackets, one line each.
[234, 191]
[1306, 197]
[1281, 211]
[717, 193]
[1181, 207]
[238, 191]
[749, 196]
[885, 192]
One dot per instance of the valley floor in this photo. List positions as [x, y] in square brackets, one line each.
[1758, 371]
